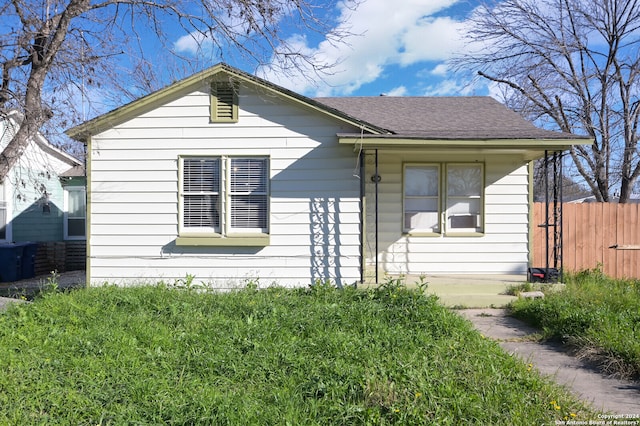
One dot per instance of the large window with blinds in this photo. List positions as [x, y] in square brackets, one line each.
[224, 195]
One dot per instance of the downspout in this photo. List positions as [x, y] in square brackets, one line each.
[363, 206]
[88, 207]
[377, 180]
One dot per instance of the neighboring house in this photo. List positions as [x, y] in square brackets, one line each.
[42, 198]
[227, 177]
[633, 199]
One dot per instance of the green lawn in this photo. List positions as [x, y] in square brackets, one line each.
[596, 316]
[157, 355]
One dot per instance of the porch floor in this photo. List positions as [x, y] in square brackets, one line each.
[469, 291]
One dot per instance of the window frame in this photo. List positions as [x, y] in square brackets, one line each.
[67, 217]
[444, 227]
[224, 233]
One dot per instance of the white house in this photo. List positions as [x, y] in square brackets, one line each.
[226, 177]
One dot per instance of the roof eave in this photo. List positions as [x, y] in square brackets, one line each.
[387, 141]
[528, 148]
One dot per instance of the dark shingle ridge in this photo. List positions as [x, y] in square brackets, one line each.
[468, 117]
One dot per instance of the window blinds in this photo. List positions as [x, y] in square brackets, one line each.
[201, 190]
[248, 193]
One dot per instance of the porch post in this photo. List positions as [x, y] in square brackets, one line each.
[553, 202]
[557, 212]
[546, 208]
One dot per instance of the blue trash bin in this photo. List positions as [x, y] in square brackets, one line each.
[10, 267]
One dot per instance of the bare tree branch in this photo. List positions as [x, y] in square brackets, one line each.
[53, 50]
[573, 65]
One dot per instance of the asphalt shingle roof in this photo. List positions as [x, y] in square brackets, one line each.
[475, 117]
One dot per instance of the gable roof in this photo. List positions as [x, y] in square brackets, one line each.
[106, 121]
[13, 119]
[470, 118]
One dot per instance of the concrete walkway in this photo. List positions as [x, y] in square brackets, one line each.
[610, 395]
[481, 299]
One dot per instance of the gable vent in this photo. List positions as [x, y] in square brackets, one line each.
[224, 102]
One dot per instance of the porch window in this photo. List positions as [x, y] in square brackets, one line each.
[439, 197]
[421, 198]
[224, 196]
[464, 198]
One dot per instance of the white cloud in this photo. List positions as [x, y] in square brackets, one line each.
[399, 32]
[431, 40]
[190, 43]
[449, 87]
[440, 70]
[398, 91]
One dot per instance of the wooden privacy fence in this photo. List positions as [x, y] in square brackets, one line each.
[605, 235]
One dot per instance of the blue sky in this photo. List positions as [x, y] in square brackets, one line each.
[401, 48]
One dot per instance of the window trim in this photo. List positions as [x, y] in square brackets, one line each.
[66, 217]
[215, 101]
[225, 235]
[443, 198]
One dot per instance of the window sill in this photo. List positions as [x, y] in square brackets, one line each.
[422, 234]
[236, 240]
[464, 234]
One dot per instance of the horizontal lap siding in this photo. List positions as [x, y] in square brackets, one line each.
[314, 204]
[502, 249]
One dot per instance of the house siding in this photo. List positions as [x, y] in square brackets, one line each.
[314, 197]
[35, 173]
[501, 249]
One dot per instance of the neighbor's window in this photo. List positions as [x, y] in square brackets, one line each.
[3, 214]
[462, 203]
[75, 213]
[225, 195]
[224, 102]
